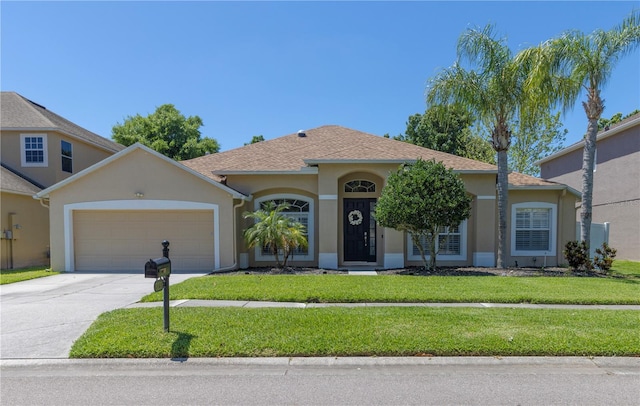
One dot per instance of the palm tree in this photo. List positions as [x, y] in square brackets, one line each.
[495, 93]
[275, 231]
[565, 66]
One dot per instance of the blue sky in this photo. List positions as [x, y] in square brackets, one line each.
[271, 68]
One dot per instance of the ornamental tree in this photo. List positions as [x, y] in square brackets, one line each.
[423, 199]
[275, 231]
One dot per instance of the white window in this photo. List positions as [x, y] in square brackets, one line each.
[66, 149]
[533, 229]
[33, 150]
[452, 242]
[301, 210]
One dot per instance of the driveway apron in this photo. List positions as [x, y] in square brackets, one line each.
[41, 318]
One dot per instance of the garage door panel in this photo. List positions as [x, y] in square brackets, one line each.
[125, 240]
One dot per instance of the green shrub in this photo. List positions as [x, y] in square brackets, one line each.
[577, 255]
[604, 258]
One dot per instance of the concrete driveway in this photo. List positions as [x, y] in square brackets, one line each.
[41, 318]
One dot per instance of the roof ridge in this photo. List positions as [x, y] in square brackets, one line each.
[30, 104]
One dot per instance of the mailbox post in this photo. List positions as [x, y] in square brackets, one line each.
[165, 254]
[160, 269]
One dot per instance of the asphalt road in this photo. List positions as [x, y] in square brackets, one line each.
[324, 381]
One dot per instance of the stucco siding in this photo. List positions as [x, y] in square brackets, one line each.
[84, 155]
[30, 243]
[616, 185]
[155, 181]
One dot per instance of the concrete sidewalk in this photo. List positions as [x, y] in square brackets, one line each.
[256, 304]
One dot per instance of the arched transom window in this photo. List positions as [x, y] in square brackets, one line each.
[359, 185]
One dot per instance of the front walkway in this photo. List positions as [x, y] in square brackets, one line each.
[254, 304]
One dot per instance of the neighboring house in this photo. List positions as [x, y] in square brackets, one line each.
[616, 182]
[114, 215]
[38, 149]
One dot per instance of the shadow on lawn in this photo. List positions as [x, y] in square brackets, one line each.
[180, 347]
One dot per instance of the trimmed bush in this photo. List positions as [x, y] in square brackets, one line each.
[603, 260]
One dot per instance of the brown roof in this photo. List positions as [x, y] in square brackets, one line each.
[13, 183]
[520, 179]
[20, 113]
[330, 143]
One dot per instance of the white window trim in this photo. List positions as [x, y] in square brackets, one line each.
[553, 231]
[310, 226]
[23, 154]
[440, 257]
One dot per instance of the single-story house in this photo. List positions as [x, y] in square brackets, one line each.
[114, 215]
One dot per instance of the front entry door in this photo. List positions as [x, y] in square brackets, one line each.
[359, 230]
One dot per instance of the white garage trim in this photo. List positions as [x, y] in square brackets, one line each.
[69, 260]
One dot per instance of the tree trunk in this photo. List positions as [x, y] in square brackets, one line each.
[593, 107]
[588, 164]
[503, 191]
[415, 238]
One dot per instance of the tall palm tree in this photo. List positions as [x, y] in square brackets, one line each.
[563, 67]
[275, 231]
[494, 92]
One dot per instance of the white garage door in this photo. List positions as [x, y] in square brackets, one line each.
[118, 240]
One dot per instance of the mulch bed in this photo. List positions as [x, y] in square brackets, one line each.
[419, 271]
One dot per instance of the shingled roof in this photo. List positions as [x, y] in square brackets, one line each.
[330, 143]
[11, 182]
[336, 144]
[19, 113]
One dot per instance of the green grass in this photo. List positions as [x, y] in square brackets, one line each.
[24, 274]
[377, 331]
[407, 289]
[626, 268]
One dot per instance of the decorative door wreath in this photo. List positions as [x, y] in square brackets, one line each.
[355, 217]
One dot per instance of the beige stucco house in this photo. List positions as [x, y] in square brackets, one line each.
[114, 215]
[38, 149]
[616, 182]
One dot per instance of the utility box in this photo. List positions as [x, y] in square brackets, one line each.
[157, 268]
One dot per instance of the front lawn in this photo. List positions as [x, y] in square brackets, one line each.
[371, 331]
[24, 274]
[407, 289]
[626, 268]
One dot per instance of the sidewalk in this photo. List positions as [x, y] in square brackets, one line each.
[255, 304]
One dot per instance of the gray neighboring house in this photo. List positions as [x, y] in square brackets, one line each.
[616, 182]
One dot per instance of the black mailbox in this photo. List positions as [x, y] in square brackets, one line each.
[157, 268]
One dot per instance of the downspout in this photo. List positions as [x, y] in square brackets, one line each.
[234, 266]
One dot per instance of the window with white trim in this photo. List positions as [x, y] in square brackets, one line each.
[451, 240]
[66, 150]
[301, 210]
[533, 229]
[33, 150]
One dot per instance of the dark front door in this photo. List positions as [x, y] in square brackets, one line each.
[359, 230]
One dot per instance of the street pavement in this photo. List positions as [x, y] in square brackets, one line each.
[324, 381]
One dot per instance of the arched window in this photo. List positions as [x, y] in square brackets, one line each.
[301, 210]
[359, 185]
